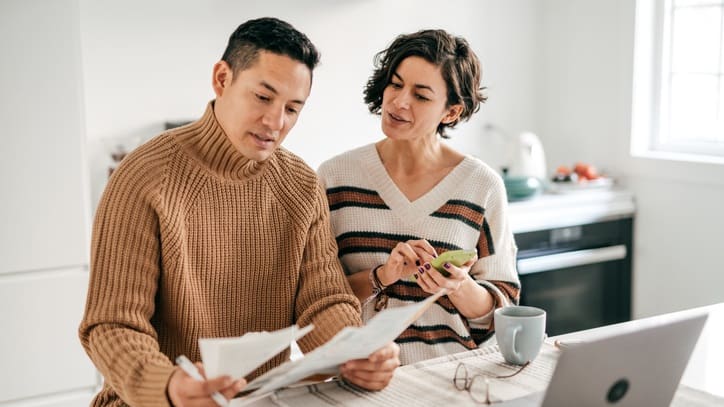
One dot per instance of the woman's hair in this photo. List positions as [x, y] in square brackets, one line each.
[458, 64]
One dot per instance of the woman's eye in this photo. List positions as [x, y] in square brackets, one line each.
[423, 98]
[263, 98]
[292, 110]
[395, 85]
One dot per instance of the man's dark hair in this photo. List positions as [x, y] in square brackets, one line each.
[458, 64]
[272, 35]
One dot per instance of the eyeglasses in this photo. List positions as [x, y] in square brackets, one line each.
[478, 385]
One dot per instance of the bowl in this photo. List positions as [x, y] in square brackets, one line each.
[521, 188]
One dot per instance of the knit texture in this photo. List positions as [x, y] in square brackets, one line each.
[192, 240]
[466, 210]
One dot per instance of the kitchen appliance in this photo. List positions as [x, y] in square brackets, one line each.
[527, 158]
[580, 274]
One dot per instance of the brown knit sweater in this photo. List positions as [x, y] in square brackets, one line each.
[193, 240]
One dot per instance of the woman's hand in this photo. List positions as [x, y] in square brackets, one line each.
[406, 259]
[432, 281]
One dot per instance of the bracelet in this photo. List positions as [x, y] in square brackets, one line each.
[377, 286]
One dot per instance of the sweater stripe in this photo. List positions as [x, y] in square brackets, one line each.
[434, 334]
[376, 242]
[343, 197]
[463, 211]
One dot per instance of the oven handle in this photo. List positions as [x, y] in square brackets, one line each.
[571, 259]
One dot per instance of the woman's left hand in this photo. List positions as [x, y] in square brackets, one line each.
[432, 281]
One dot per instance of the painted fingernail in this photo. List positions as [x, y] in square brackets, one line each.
[421, 270]
[405, 263]
[417, 263]
[427, 266]
[415, 275]
[446, 265]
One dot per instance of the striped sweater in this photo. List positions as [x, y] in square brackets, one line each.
[466, 210]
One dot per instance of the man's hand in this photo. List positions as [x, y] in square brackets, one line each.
[184, 391]
[375, 372]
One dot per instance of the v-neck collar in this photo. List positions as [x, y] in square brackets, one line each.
[432, 200]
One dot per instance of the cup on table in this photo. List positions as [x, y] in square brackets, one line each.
[520, 331]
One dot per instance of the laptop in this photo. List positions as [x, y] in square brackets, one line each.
[637, 364]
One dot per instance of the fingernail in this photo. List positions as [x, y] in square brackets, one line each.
[427, 266]
[417, 263]
[446, 265]
[404, 263]
[421, 270]
[415, 275]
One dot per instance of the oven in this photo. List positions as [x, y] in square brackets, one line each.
[579, 274]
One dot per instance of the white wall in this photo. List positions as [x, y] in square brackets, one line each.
[148, 62]
[586, 116]
[561, 68]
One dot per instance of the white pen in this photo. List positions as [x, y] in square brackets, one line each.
[185, 364]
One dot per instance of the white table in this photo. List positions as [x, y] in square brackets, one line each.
[704, 373]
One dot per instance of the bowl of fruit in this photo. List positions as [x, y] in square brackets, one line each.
[580, 176]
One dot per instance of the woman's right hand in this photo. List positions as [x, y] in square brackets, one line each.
[405, 260]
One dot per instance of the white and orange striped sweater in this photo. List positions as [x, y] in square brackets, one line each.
[466, 210]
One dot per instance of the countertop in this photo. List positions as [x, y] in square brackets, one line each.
[554, 210]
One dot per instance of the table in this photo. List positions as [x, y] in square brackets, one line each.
[428, 382]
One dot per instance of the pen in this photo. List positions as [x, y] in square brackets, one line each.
[185, 364]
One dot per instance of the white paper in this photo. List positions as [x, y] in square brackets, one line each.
[239, 356]
[349, 343]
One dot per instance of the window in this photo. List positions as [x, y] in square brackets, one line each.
[679, 79]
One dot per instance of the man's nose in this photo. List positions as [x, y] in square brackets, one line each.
[274, 118]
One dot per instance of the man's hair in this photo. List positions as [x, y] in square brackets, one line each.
[272, 35]
[458, 64]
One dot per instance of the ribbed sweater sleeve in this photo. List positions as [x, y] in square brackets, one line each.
[320, 299]
[117, 331]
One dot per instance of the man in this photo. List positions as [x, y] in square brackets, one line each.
[214, 230]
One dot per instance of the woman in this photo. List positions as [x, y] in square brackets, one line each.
[398, 203]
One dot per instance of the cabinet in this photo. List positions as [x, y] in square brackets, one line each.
[44, 207]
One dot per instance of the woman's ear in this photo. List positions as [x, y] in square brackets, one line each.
[221, 77]
[453, 113]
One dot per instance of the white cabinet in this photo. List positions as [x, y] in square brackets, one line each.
[40, 347]
[43, 206]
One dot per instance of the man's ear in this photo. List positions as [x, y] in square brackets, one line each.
[453, 114]
[221, 77]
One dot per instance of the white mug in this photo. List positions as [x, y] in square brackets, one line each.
[520, 331]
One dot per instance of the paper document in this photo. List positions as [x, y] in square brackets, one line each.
[349, 343]
[239, 356]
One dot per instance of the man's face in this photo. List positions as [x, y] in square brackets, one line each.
[257, 107]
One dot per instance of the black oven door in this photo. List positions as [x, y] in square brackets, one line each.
[583, 279]
[579, 290]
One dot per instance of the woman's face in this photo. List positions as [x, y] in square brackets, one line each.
[414, 102]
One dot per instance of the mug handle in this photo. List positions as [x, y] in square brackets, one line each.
[513, 331]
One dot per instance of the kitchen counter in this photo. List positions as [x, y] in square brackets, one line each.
[550, 210]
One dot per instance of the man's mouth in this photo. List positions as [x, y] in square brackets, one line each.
[263, 138]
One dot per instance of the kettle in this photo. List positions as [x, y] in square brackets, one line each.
[527, 158]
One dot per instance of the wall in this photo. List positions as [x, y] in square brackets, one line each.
[148, 62]
[561, 68]
[585, 115]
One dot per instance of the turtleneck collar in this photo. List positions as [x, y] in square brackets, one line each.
[206, 141]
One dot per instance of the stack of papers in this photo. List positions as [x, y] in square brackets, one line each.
[239, 356]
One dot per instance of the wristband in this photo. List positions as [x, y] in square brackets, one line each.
[377, 286]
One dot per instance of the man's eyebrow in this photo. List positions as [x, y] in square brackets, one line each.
[273, 90]
[417, 85]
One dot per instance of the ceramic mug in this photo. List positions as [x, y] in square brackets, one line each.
[520, 331]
